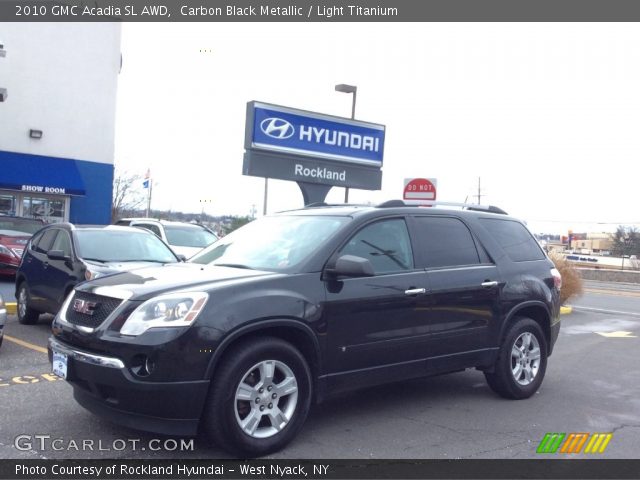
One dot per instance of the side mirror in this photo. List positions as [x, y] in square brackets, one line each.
[352, 266]
[56, 255]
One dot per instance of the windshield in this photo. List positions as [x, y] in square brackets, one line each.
[188, 236]
[120, 246]
[271, 243]
[19, 226]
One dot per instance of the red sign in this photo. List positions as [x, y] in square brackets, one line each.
[419, 189]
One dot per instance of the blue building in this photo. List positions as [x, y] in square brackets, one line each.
[57, 120]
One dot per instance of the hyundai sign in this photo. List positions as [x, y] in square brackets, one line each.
[297, 132]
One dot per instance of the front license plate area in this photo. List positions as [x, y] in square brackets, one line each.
[59, 364]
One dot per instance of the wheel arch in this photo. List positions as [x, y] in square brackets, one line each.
[534, 310]
[293, 331]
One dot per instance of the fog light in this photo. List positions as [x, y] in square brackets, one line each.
[142, 365]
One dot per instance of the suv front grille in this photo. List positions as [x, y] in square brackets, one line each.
[97, 309]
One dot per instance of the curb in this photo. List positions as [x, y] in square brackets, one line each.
[565, 310]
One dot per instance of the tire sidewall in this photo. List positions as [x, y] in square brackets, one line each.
[523, 325]
[24, 319]
[224, 397]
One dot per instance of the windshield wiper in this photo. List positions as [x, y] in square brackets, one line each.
[232, 265]
[151, 260]
[94, 260]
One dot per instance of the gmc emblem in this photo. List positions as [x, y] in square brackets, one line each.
[84, 306]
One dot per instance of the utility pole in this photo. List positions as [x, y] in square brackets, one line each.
[479, 194]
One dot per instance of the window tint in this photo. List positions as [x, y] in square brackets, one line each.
[514, 237]
[385, 244]
[62, 242]
[45, 241]
[445, 242]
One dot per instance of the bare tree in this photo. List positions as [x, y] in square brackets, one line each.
[128, 194]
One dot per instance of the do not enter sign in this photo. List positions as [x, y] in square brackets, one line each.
[420, 189]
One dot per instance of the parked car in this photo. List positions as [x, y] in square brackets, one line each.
[61, 255]
[242, 338]
[15, 232]
[184, 238]
[3, 318]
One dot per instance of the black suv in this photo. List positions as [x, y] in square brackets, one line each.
[293, 307]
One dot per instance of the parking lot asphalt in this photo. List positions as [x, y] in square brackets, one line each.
[592, 385]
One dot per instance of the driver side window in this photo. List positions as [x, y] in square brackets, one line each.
[385, 244]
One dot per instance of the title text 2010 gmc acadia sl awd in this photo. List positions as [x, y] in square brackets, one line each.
[291, 308]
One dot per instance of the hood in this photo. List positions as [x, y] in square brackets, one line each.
[144, 283]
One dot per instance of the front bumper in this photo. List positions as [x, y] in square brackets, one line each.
[105, 386]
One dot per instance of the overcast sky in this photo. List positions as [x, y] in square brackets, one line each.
[548, 115]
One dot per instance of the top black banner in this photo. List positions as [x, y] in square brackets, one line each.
[319, 11]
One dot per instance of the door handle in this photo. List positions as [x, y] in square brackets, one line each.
[489, 284]
[415, 291]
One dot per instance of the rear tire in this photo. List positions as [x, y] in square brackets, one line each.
[26, 314]
[260, 397]
[522, 361]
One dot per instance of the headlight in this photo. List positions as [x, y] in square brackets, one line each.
[91, 274]
[172, 310]
[5, 251]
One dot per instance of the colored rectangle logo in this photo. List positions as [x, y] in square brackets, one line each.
[297, 132]
[573, 443]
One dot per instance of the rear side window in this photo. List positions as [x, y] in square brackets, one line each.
[445, 242]
[514, 237]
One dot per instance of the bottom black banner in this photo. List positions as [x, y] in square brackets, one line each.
[318, 469]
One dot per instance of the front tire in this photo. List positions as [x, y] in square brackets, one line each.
[26, 314]
[260, 397]
[522, 361]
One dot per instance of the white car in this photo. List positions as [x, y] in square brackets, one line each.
[184, 238]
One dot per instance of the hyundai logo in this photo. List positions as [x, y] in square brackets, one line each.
[84, 306]
[277, 128]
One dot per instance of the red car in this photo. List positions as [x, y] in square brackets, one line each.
[15, 232]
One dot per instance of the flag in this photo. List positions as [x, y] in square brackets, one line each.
[147, 179]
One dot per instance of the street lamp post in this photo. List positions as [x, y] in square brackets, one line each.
[344, 88]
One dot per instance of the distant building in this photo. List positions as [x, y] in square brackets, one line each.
[58, 120]
[593, 243]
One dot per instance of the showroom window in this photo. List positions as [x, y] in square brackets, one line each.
[8, 204]
[49, 208]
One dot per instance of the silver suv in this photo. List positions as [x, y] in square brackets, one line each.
[184, 238]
